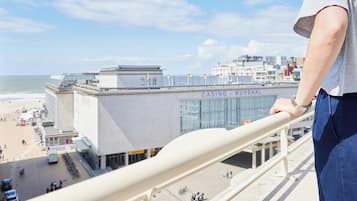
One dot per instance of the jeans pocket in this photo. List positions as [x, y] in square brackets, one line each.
[317, 111]
[331, 118]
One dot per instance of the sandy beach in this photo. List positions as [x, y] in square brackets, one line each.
[30, 156]
[12, 135]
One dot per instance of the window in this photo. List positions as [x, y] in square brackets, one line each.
[226, 113]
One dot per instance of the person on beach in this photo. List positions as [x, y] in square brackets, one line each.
[331, 68]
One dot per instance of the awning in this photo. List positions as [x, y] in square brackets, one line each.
[136, 152]
[81, 144]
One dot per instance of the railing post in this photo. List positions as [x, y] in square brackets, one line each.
[149, 195]
[254, 158]
[284, 151]
[270, 150]
[262, 153]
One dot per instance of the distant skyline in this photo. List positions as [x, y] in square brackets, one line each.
[184, 36]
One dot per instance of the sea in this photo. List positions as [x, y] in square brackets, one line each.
[23, 87]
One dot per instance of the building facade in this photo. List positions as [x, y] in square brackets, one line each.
[117, 127]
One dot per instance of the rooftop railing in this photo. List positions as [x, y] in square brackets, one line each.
[182, 157]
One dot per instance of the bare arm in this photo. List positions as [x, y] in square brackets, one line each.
[325, 43]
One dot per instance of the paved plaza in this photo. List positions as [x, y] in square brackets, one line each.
[38, 174]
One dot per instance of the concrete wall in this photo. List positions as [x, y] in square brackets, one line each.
[126, 80]
[86, 117]
[65, 112]
[107, 81]
[51, 105]
[143, 120]
[135, 122]
[140, 80]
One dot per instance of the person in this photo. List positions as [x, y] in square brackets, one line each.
[22, 172]
[331, 69]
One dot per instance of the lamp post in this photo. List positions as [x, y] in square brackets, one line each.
[205, 79]
[189, 76]
[169, 80]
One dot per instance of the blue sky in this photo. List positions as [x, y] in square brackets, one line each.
[184, 36]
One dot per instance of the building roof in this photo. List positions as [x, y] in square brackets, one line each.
[131, 68]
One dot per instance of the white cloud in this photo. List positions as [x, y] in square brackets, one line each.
[212, 51]
[273, 20]
[207, 54]
[173, 15]
[3, 12]
[17, 24]
[115, 60]
[33, 3]
[254, 2]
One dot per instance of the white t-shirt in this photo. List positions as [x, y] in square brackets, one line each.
[342, 77]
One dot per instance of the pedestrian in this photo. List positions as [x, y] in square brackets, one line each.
[47, 190]
[4, 146]
[197, 196]
[331, 69]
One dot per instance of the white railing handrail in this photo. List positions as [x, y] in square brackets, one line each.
[183, 156]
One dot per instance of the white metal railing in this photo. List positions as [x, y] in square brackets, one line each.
[183, 156]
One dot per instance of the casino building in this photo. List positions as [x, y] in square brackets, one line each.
[125, 114]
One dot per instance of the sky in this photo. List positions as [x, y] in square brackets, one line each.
[184, 36]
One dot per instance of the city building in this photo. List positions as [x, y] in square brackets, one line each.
[255, 69]
[120, 121]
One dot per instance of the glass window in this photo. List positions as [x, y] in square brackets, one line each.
[190, 115]
[213, 113]
[226, 113]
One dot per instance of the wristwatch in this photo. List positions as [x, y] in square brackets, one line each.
[305, 108]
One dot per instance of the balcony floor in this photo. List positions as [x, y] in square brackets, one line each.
[300, 184]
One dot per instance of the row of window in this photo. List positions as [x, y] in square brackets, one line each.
[223, 113]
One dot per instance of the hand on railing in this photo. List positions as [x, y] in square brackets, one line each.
[286, 105]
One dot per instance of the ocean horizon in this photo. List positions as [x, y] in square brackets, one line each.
[23, 87]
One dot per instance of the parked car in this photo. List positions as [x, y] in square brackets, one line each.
[6, 184]
[52, 156]
[11, 195]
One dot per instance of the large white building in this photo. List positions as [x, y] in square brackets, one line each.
[115, 123]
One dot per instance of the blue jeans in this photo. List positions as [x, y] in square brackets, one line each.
[335, 144]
